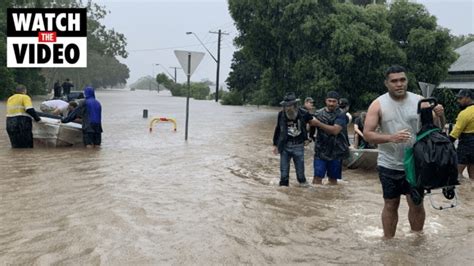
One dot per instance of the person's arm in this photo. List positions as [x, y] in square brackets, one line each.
[29, 108]
[276, 136]
[72, 115]
[57, 111]
[332, 130]
[357, 130]
[459, 126]
[372, 121]
[438, 116]
[32, 112]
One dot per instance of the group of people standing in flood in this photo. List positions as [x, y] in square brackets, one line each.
[20, 113]
[331, 141]
[391, 122]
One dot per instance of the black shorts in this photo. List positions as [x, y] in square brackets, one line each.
[466, 149]
[92, 138]
[394, 183]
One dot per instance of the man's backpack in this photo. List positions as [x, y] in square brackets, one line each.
[432, 162]
[435, 160]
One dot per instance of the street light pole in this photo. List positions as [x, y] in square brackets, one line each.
[152, 74]
[218, 56]
[219, 34]
[175, 80]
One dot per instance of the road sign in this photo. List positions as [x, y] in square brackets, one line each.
[426, 89]
[182, 56]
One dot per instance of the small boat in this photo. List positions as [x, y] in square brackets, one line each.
[52, 133]
[362, 158]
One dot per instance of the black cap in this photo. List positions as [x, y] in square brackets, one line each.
[333, 95]
[289, 99]
[464, 93]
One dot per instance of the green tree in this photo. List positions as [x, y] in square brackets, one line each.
[310, 47]
[164, 80]
[199, 90]
[104, 45]
[447, 98]
[9, 77]
[145, 83]
[461, 40]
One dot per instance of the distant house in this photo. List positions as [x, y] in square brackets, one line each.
[461, 72]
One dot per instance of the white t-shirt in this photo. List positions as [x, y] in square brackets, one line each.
[55, 104]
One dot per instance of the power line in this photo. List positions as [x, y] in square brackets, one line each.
[166, 48]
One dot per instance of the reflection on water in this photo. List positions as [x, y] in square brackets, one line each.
[155, 199]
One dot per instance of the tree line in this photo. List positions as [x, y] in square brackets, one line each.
[197, 90]
[103, 46]
[311, 47]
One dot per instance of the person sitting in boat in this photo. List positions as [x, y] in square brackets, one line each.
[73, 114]
[359, 141]
[54, 107]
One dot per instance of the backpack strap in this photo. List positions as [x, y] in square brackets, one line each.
[426, 133]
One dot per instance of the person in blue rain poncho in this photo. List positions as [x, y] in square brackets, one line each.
[90, 110]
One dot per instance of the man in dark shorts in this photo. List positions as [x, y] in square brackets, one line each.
[395, 112]
[332, 144]
[464, 131]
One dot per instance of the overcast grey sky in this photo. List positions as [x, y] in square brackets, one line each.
[155, 28]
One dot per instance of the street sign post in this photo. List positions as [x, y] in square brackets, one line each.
[189, 61]
[426, 89]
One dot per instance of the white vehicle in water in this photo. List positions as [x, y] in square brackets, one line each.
[52, 133]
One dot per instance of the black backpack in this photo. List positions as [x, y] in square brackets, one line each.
[434, 154]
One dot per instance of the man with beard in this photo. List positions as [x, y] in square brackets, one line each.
[395, 113]
[289, 137]
[332, 143]
[464, 131]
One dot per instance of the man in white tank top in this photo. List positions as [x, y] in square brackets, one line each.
[395, 114]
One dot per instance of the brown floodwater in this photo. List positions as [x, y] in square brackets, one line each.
[152, 198]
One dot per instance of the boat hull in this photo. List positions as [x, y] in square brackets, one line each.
[362, 158]
[52, 133]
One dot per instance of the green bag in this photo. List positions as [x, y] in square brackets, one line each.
[409, 160]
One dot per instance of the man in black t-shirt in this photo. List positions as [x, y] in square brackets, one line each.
[289, 137]
[331, 145]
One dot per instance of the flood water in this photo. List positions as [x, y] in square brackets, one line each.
[153, 199]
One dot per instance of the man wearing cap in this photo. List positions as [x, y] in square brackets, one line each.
[19, 113]
[331, 145]
[464, 131]
[289, 137]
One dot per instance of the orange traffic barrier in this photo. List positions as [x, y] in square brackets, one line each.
[156, 120]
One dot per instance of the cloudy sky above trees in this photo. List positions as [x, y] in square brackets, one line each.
[154, 28]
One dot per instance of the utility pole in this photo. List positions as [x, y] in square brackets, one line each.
[218, 61]
[175, 80]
